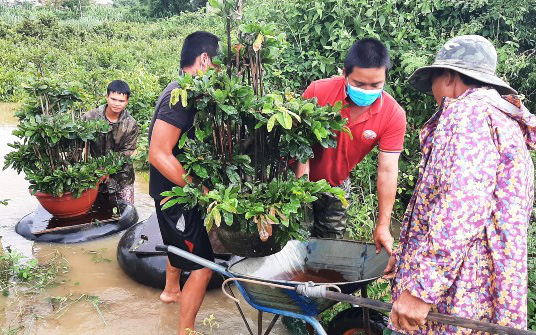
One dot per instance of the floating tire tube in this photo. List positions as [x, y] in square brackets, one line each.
[40, 226]
[141, 262]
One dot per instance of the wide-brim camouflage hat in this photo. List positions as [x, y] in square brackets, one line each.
[471, 55]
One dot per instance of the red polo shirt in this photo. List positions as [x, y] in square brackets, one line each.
[384, 124]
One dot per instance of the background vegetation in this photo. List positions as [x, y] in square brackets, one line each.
[139, 41]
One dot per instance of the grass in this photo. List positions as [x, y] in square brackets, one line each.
[98, 256]
[22, 279]
[20, 273]
[60, 304]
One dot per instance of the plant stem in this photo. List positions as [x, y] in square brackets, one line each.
[256, 153]
[259, 67]
[230, 139]
[222, 147]
[228, 26]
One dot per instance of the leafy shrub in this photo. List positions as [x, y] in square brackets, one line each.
[54, 143]
[244, 143]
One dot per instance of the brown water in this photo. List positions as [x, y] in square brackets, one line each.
[127, 307]
[317, 276]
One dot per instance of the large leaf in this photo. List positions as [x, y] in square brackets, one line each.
[209, 220]
[271, 122]
[229, 110]
[263, 227]
[217, 216]
[257, 45]
[200, 171]
[228, 218]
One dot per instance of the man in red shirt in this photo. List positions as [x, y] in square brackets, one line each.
[374, 118]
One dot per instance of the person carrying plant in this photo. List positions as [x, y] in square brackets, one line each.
[463, 244]
[374, 119]
[180, 227]
[121, 138]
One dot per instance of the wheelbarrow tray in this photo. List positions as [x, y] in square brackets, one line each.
[356, 262]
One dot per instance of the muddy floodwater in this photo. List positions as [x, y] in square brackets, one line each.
[125, 307]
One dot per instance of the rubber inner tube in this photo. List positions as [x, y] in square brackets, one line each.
[141, 262]
[40, 226]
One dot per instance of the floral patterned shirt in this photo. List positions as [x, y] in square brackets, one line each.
[463, 244]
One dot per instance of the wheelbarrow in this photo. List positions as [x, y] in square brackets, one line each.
[306, 278]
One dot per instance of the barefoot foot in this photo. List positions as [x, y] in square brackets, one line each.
[168, 297]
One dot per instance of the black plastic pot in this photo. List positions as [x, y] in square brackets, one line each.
[246, 243]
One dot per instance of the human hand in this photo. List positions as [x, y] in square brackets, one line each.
[389, 272]
[409, 312]
[205, 190]
[382, 238]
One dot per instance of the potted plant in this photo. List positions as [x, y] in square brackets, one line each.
[246, 142]
[53, 149]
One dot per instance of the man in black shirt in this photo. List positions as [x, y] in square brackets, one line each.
[180, 227]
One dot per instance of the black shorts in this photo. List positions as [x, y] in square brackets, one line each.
[185, 230]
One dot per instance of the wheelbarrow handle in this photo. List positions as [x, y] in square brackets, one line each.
[160, 247]
[432, 316]
[194, 258]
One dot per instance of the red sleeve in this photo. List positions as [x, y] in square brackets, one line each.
[392, 139]
[310, 91]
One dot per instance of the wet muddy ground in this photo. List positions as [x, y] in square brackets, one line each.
[96, 296]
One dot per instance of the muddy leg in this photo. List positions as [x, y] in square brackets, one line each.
[191, 297]
[172, 289]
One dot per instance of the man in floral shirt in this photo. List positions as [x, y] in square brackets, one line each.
[463, 244]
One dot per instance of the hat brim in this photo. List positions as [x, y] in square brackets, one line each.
[421, 79]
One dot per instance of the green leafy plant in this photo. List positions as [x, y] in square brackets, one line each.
[247, 139]
[54, 142]
[18, 272]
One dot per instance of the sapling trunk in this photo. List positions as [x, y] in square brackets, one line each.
[215, 135]
[256, 155]
[259, 68]
[228, 27]
[215, 141]
[230, 139]
[222, 147]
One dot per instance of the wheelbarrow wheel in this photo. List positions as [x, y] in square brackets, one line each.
[350, 322]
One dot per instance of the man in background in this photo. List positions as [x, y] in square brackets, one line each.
[121, 138]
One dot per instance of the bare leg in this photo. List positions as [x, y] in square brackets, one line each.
[191, 298]
[172, 290]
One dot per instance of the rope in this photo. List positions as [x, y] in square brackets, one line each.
[309, 289]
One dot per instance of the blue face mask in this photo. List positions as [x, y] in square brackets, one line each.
[363, 97]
